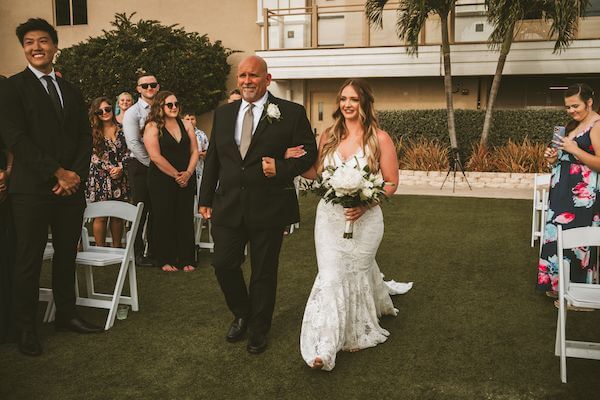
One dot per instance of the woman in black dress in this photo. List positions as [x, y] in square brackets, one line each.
[171, 145]
[6, 250]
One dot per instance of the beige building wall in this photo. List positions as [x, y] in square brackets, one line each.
[231, 21]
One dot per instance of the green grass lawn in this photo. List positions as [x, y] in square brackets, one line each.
[472, 327]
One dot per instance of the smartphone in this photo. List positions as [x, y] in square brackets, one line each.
[558, 131]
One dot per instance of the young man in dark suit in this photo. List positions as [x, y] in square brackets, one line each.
[47, 130]
[248, 191]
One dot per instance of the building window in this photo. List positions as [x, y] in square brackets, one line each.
[71, 12]
[593, 9]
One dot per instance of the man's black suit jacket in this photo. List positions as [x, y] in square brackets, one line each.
[236, 189]
[40, 139]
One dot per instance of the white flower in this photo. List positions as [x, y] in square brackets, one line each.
[346, 180]
[378, 181]
[273, 111]
[367, 193]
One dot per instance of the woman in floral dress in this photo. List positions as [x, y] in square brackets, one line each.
[573, 188]
[107, 179]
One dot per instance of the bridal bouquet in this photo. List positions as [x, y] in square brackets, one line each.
[348, 186]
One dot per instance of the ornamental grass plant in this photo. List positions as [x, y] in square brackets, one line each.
[422, 154]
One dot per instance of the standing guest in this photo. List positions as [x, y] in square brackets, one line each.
[248, 141]
[107, 180]
[573, 187]
[137, 168]
[124, 101]
[234, 95]
[173, 151]
[6, 250]
[52, 148]
[202, 141]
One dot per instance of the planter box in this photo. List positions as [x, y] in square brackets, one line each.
[477, 179]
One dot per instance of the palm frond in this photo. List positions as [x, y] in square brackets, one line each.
[564, 15]
[374, 11]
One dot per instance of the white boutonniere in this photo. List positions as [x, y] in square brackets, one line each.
[273, 113]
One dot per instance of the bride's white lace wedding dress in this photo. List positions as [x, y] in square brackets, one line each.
[349, 294]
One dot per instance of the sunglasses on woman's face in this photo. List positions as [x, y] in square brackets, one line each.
[104, 110]
[172, 105]
[153, 85]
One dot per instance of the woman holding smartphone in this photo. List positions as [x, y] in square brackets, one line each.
[573, 187]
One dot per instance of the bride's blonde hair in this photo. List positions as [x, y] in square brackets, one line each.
[368, 119]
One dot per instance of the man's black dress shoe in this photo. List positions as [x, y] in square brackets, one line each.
[76, 325]
[29, 344]
[144, 262]
[236, 330]
[257, 343]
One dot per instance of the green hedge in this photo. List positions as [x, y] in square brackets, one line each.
[507, 124]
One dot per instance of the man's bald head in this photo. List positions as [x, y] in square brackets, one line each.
[253, 78]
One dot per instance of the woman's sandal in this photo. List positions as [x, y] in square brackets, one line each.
[189, 268]
[169, 268]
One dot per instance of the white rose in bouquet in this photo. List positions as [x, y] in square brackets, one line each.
[346, 180]
[378, 181]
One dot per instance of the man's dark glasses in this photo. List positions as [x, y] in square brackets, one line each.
[153, 85]
[101, 111]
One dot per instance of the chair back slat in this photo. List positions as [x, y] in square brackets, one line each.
[111, 208]
[579, 237]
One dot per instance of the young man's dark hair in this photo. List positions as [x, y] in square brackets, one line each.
[36, 24]
[143, 74]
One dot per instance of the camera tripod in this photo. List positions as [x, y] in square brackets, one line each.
[454, 165]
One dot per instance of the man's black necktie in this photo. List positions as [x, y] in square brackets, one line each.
[54, 95]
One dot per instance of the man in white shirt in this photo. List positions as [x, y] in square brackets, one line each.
[133, 128]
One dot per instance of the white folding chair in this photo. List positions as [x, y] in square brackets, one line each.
[574, 294]
[198, 230]
[541, 183]
[46, 293]
[93, 256]
[297, 187]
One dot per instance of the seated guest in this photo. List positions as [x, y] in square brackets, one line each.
[124, 101]
[173, 151]
[202, 140]
[107, 180]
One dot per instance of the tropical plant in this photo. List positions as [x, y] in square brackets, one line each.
[520, 157]
[422, 154]
[506, 15]
[185, 63]
[412, 15]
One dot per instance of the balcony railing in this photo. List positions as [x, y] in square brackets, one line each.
[339, 26]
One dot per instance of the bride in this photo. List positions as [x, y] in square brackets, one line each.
[349, 294]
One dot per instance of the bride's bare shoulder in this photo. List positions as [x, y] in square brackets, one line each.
[384, 138]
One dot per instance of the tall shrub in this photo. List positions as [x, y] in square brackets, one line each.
[187, 63]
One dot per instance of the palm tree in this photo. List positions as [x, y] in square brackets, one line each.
[412, 15]
[504, 15]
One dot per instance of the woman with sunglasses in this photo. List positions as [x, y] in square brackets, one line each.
[173, 151]
[107, 180]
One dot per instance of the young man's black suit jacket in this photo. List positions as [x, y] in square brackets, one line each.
[42, 140]
[249, 207]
